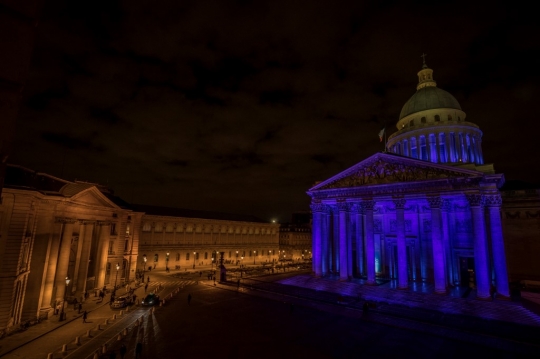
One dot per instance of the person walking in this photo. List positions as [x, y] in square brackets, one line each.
[80, 307]
[146, 287]
[123, 351]
[138, 350]
[84, 316]
[189, 299]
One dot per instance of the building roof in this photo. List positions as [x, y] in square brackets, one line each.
[190, 213]
[427, 98]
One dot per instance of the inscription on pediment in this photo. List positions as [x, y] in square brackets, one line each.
[381, 172]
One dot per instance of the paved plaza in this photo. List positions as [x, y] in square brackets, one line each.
[291, 315]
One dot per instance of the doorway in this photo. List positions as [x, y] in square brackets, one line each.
[466, 272]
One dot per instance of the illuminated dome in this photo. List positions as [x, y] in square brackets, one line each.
[432, 127]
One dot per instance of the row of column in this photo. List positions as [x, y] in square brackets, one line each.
[345, 214]
[442, 147]
[59, 253]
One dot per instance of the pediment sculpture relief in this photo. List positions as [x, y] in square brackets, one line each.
[381, 172]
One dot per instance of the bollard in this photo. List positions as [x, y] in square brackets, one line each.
[127, 309]
[125, 331]
[64, 348]
[121, 312]
[114, 316]
[104, 349]
[50, 356]
[89, 334]
[106, 321]
[99, 327]
[161, 304]
[96, 355]
[77, 340]
[153, 310]
[119, 337]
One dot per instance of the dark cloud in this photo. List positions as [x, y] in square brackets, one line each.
[242, 106]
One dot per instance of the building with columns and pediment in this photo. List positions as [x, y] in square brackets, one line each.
[51, 228]
[428, 209]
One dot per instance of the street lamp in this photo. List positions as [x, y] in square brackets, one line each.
[194, 259]
[236, 257]
[116, 279]
[254, 254]
[167, 262]
[62, 315]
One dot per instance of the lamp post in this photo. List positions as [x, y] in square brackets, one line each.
[194, 259]
[116, 279]
[236, 257]
[254, 254]
[62, 314]
[167, 262]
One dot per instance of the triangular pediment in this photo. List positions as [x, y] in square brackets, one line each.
[384, 168]
[89, 196]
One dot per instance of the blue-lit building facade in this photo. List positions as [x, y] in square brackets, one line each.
[428, 209]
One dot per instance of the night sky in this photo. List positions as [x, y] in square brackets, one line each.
[240, 107]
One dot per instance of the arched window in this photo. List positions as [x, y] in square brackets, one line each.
[411, 123]
[459, 118]
[449, 117]
[437, 118]
[205, 255]
[442, 148]
[406, 147]
[423, 120]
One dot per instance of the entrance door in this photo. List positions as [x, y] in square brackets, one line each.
[466, 272]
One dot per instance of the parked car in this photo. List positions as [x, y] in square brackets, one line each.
[150, 300]
[123, 301]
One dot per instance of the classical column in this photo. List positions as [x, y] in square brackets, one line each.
[480, 246]
[357, 212]
[324, 240]
[317, 209]
[335, 240]
[494, 203]
[445, 209]
[102, 253]
[343, 248]
[350, 235]
[63, 259]
[437, 245]
[85, 235]
[52, 259]
[403, 280]
[370, 241]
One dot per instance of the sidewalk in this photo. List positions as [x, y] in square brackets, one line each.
[17, 340]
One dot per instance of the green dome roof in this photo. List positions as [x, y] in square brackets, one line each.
[427, 98]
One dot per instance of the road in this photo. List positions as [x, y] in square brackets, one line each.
[252, 322]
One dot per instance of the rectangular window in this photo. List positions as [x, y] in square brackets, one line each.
[126, 245]
[187, 256]
[113, 229]
[111, 247]
[177, 257]
[147, 227]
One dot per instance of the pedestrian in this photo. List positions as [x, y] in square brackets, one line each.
[148, 279]
[145, 287]
[84, 316]
[138, 350]
[123, 351]
[75, 304]
[189, 299]
[85, 294]
[112, 355]
[80, 308]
